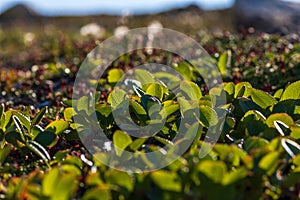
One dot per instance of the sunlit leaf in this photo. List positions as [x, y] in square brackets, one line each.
[242, 89]
[121, 140]
[155, 90]
[4, 152]
[278, 94]
[97, 193]
[262, 98]
[295, 131]
[114, 75]
[222, 64]
[282, 117]
[190, 90]
[144, 76]
[57, 127]
[166, 180]
[39, 150]
[291, 92]
[68, 114]
[214, 170]
[120, 179]
[37, 119]
[235, 176]
[137, 143]
[116, 97]
[208, 116]
[269, 162]
[291, 147]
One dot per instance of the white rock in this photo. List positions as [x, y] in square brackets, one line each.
[28, 38]
[121, 31]
[154, 28]
[93, 29]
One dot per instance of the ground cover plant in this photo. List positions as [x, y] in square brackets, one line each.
[256, 157]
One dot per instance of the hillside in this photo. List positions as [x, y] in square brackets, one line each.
[19, 14]
[266, 15]
[191, 17]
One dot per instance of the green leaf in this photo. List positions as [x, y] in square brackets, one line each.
[72, 160]
[83, 104]
[169, 107]
[235, 176]
[292, 179]
[295, 131]
[144, 76]
[139, 110]
[168, 181]
[296, 160]
[116, 97]
[72, 135]
[38, 118]
[170, 79]
[186, 105]
[262, 98]
[229, 88]
[97, 193]
[190, 90]
[255, 143]
[155, 90]
[36, 129]
[214, 170]
[68, 114]
[163, 140]
[19, 127]
[278, 94]
[93, 179]
[50, 181]
[72, 169]
[291, 92]
[65, 187]
[24, 119]
[103, 110]
[222, 64]
[4, 152]
[291, 147]
[218, 96]
[114, 75]
[281, 127]
[60, 155]
[253, 115]
[120, 179]
[68, 103]
[121, 140]
[2, 108]
[151, 104]
[242, 89]
[269, 162]
[185, 70]
[282, 117]
[6, 119]
[38, 150]
[57, 127]
[137, 143]
[208, 116]
[13, 137]
[45, 138]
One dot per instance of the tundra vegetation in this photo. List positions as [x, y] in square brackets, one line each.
[257, 154]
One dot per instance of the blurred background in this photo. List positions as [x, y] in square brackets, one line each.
[251, 40]
[35, 32]
[265, 15]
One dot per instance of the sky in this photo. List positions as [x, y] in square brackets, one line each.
[82, 7]
[79, 7]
